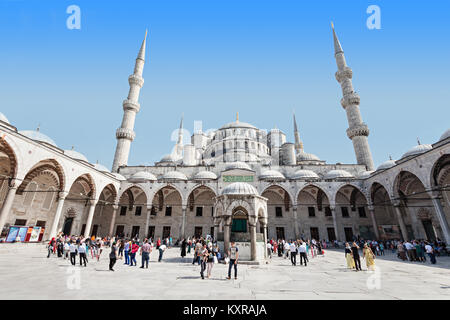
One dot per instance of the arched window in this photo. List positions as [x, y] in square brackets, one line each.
[29, 194]
[48, 201]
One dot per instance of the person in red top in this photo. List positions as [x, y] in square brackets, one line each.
[158, 243]
[50, 247]
[134, 249]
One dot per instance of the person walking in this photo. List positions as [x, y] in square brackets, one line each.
[50, 247]
[183, 248]
[233, 254]
[355, 254]
[420, 251]
[112, 256]
[302, 252]
[73, 252]
[369, 256]
[82, 253]
[145, 252]
[66, 250]
[134, 249]
[204, 259]
[401, 251]
[121, 246]
[430, 251]
[349, 256]
[212, 259]
[127, 251]
[293, 251]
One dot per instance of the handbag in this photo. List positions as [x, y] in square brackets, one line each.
[216, 260]
[227, 260]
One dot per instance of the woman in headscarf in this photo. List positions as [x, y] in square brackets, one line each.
[349, 256]
[183, 248]
[369, 256]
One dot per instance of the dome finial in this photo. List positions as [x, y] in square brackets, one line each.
[237, 116]
[73, 147]
[38, 127]
[418, 141]
[390, 157]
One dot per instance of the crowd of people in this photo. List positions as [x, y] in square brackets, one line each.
[206, 251]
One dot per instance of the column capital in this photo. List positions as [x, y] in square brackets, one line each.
[149, 206]
[14, 183]
[435, 194]
[115, 206]
[62, 195]
[93, 202]
[396, 203]
[371, 207]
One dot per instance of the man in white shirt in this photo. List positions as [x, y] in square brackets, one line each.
[411, 251]
[293, 250]
[82, 253]
[161, 251]
[73, 252]
[286, 249]
[269, 250]
[302, 252]
[430, 251]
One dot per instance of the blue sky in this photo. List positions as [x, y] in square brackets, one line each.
[210, 59]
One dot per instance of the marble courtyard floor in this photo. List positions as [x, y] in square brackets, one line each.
[26, 273]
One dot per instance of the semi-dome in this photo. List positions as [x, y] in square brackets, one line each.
[386, 165]
[421, 148]
[304, 156]
[144, 176]
[304, 174]
[100, 167]
[238, 165]
[4, 118]
[337, 174]
[445, 135]
[38, 136]
[271, 175]
[205, 175]
[174, 175]
[119, 176]
[75, 155]
[365, 174]
[240, 188]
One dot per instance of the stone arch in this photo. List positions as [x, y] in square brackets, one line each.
[88, 184]
[352, 195]
[12, 162]
[440, 172]
[49, 167]
[132, 197]
[288, 201]
[319, 195]
[238, 203]
[202, 189]
[313, 184]
[109, 192]
[160, 187]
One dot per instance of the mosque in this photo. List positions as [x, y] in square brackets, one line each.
[236, 183]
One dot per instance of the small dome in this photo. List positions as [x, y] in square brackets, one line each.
[101, 167]
[205, 175]
[119, 176]
[75, 155]
[337, 174]
[365, 174]
[174, 175]
[303, 156]
[3, 118]
[143, 175]
[37, 136]
[240, 188]
[238, 165]
[445, 135]
[304, 174]
[386, 165]
[271, 175]
[168, 158]
[421, 148]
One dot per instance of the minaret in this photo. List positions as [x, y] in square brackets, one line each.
[179, 145]
[358, 130]
[298, 142]
[125, 134]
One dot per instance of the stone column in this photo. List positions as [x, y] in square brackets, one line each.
[7, 204]
[147, 221]
[87, 230]
[216, 227]
[252, 224]
[401, 222]
[296, 231]
[113, 220]
[335, 225]
[54, 229]
[226, 233]
[374, 222]
[264, 225]
[183, 221]
[440, 214]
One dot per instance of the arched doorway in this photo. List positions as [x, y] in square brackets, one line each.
[280, 213]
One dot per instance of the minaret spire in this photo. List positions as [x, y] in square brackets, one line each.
[298, 142]
[180, 132]
[358, 130]
[125, 134]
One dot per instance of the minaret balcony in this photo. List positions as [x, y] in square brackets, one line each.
[359, 130]
[344, 74]
[350, 99]
[135, 79]
[123, 133]
[130, 105]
